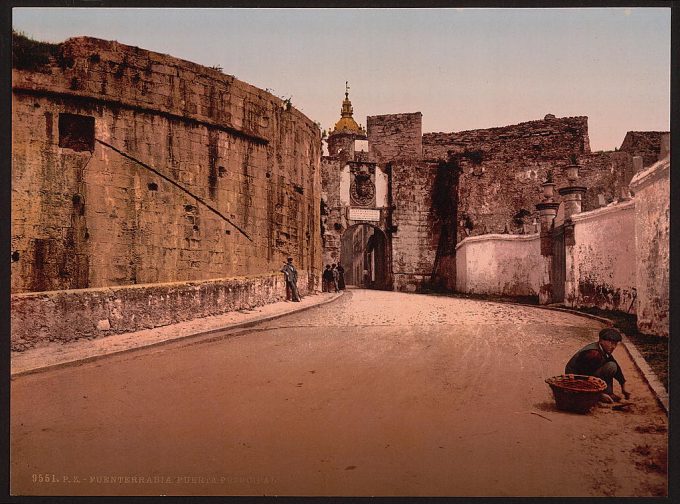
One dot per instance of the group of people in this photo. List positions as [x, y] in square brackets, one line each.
[333, 278]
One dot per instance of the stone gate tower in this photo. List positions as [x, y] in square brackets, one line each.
[355, 209]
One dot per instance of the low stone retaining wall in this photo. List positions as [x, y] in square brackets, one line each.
[68, 315]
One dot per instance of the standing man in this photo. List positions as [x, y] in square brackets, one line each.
[327, 278]
[290, 274]
[596, 360]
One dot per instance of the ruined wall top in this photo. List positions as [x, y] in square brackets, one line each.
[647, 144]
[549, 138]
[116, 73]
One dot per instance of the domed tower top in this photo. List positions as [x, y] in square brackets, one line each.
[347, 124]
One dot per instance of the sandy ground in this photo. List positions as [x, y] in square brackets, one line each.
[379, 393]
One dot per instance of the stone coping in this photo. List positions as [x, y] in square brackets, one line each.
[187, 283]
[498, 237]
[657, 170]
[599, 212]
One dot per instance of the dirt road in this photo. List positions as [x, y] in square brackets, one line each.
[379, 393]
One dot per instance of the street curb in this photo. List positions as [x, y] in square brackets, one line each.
[228, 327]
[650, 377]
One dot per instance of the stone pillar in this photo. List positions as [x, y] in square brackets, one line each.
[572, 196]
[547, 210]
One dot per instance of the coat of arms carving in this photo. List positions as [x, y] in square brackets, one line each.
[362, 189]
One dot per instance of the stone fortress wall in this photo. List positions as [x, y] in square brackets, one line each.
[90, 217]
[86, 214]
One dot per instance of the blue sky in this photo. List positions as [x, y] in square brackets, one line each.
[462, 68]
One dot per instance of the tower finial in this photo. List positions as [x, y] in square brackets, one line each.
[346, 90]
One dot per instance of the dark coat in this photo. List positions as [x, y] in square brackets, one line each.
[589, 359]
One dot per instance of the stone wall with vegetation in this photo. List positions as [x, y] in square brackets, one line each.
[502, 169]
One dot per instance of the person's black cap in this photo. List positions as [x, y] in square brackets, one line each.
[610, 334]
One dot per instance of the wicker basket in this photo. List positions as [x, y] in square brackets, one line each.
[577, 393]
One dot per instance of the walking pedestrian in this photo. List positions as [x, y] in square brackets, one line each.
[291, 276]
[341, 279]
[336, 277]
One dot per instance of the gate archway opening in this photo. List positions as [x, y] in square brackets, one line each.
[363, 255]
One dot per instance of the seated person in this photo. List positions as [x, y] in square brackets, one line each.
[596, 359]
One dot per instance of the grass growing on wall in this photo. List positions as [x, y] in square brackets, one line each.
[30, 54]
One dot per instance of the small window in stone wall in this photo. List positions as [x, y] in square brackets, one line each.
[76, 132]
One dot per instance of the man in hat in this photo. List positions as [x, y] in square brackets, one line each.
[290, 274]
[596, 359]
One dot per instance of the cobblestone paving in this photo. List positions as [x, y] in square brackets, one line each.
[378, 393]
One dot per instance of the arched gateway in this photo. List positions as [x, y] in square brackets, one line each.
[363, 255]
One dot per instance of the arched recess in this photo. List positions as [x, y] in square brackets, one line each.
[364, 254]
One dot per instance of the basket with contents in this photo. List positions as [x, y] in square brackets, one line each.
[577, 393]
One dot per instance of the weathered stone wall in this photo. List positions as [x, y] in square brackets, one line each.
[85, 216]
[544, 140]
[603, 259]
[502, 170]
[395, 136]
[646, 144]
[605, 175]
[652, 235]
[414, 244]
[69, 315]
[505, 265]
